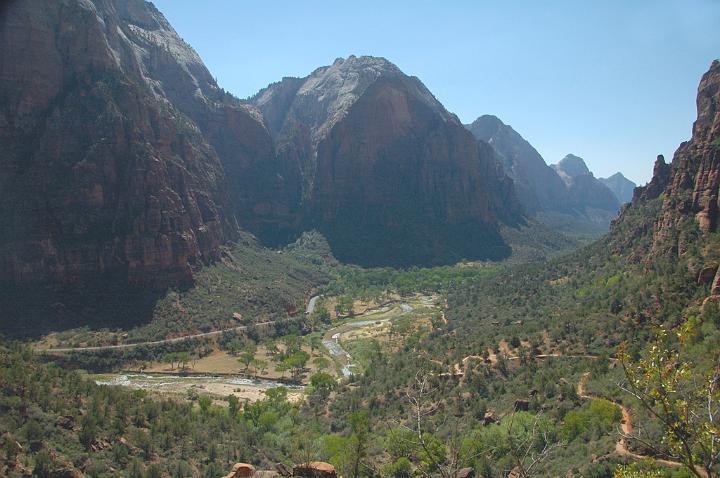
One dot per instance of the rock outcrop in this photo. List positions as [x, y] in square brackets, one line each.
[695, 174]
[658, 183]
[104, 174]
[241, 470]
[312, 469]
[315, 469]
[688, 188]
[387, 174]
[621, 187]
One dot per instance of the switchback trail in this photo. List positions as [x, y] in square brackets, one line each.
[460, 369]
[621, 447]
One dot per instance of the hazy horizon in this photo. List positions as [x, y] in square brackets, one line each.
[614, 83]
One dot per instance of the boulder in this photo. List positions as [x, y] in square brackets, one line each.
[489, 418]
[241, 470]
[706, 275]
[521, 405]
[315, 469]
[65, 422]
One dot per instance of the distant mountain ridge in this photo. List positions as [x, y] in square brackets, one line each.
[620, 186]
[563, 193]
[537, 185]
[571, 166]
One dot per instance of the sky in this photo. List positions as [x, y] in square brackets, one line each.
[612, 81]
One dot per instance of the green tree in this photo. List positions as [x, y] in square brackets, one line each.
[681, 397]
[183, 358]
[234, 347]
[321, 363]
[233, 406]
[297, 362]
[315, 343]
[360, 428]
[323, 383]
[136, 469]
[43, 465]
[153, 471]
[205, 402]
[246, 358]
[344, 305]
[171, 358]
[88, 430]
[282, 367]
[261, 366]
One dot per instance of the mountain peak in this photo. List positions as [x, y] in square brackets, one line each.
[487, 126]
[323, 98]
[621, 186]
[572, 166]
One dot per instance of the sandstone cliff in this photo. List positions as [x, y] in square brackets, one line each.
[683, 194]
[101, 176]
[388, 175]
[695, 172]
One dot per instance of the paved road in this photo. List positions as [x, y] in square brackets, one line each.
[157, 342]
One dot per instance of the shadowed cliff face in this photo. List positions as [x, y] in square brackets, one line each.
[102, 178]
[397, 184]
[389, 176]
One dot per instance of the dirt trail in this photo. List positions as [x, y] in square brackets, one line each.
[621, 447]
[460, 369]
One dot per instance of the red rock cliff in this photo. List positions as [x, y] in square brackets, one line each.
[101, 175]
[690, 185]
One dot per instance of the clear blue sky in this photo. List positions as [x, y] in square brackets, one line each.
[613, 81]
